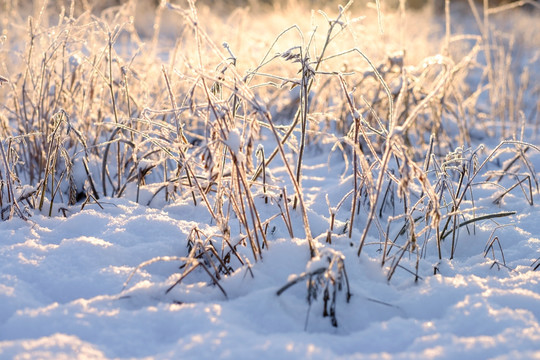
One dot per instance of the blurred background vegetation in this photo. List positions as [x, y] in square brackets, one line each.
[17, 12]
[100, 5]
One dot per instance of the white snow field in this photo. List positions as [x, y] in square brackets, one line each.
[63, 296]
[139, 276]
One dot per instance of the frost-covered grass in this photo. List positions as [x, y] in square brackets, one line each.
[351, 182]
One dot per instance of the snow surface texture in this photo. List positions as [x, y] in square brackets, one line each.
[71, 288]
[61, 282]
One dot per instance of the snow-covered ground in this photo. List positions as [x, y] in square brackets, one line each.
[93, 284]
[63, 296]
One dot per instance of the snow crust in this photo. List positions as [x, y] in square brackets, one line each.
[62, 293]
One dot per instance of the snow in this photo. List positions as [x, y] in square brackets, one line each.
[63, 296]
[94, 284]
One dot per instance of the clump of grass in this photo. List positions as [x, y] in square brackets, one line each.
[325, 275]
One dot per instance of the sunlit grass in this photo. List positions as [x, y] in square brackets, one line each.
[187, 103]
